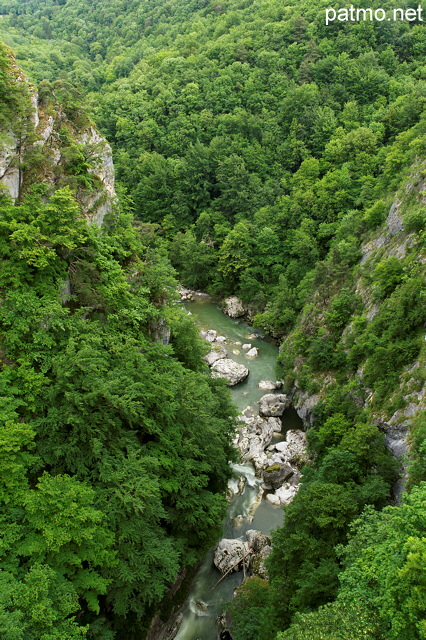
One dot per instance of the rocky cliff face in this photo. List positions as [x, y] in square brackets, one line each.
[394, 239]
[45, 143]
[10, 176]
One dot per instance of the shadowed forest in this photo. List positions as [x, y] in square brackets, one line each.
[261, 153]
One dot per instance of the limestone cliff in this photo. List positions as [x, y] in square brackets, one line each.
[45, 141]
[397, 244]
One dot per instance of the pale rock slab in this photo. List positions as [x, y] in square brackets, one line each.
[268, 385]
[228, 552]
[273, 404]
[230, 370]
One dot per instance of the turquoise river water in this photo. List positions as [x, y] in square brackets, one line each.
[204, 605]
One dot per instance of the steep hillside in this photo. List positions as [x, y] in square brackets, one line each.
[266, 155]
[355, 366]
[363, 331]
[114, 442]
[53, 142]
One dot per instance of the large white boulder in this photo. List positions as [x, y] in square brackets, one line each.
[273, 404]
[286, 493]
[282, 496]
[228, 552]
[218, 352]
[253, 438]
[273, 499]
[233, 307]
[230, 370]
[292, 450]
[268, 385]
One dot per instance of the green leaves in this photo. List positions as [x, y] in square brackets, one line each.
[38, 235]
[45, 601]
[16, 442]
[249, 611]
[384, 571]
[387, 275]
[115, 446]
[346, 621]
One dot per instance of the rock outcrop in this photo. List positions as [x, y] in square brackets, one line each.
[273, 404]
[210, 335]
[218, 352]
[292, 450]
[43, 137]
[253, 437]
[185, 295]
[233, 307]
[277, 474]
[231, 554]
[304, 404]
[282, 476]
[98, 202]
[260, 545]
[283, 495]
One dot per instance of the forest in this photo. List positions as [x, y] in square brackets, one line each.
[258, 153]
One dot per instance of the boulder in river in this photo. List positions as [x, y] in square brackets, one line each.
[253, 353]
[273, 404]
[233, 307]
[260, 544]
[230, 370]
[228, 553]
[283, 496]
[277, 474]
[218, 352]
[257, 540]
[237, 522]
[292, 450]
[246, 347]
[185, 294]
[253, 437]
[268, 385]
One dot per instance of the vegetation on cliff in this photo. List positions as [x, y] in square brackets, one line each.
[272, 157]
[114, 445]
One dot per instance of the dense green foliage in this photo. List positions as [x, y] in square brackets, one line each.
[114, 445]
[249, 128]
[248, 131]
[250, 612]
[382, 591]
[266, 149]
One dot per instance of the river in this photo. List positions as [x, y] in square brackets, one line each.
[204, 605]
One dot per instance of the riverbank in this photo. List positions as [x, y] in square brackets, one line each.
[248, 510]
